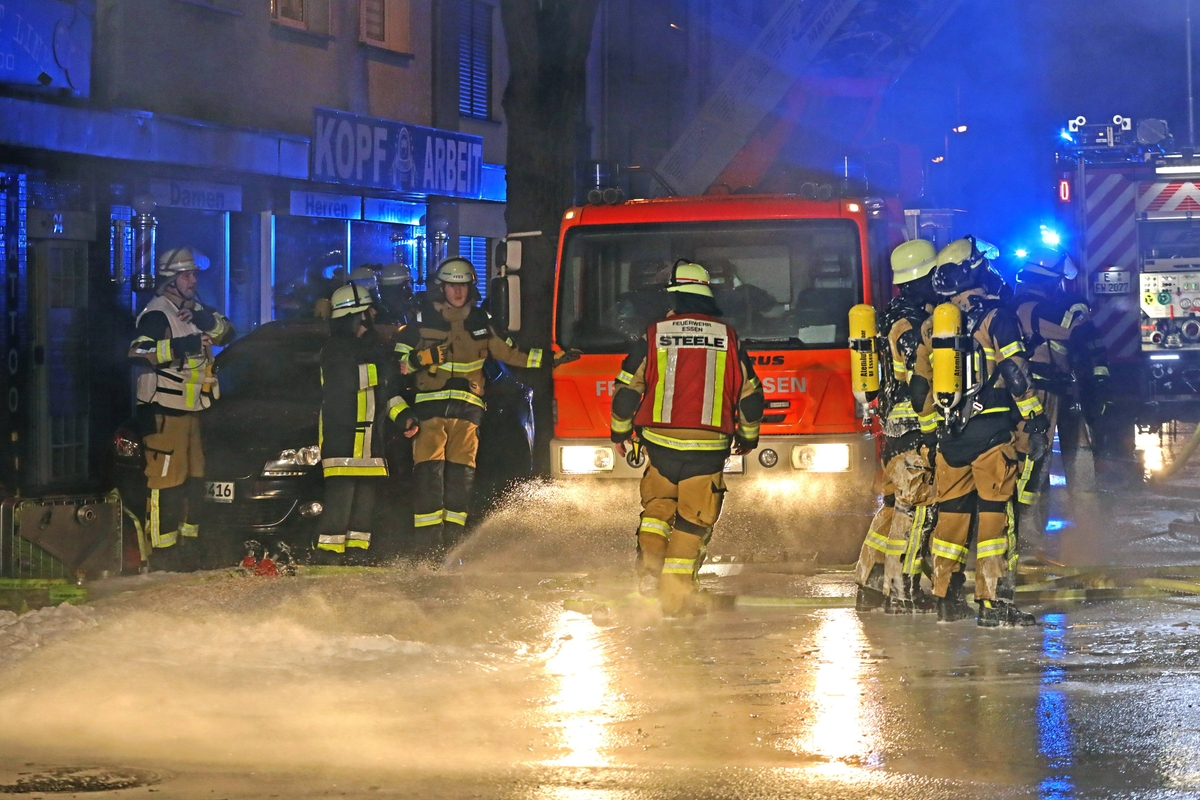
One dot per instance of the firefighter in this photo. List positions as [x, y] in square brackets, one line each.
[359, 386]
[396, 295]
[890, 559]
[689, 391]
[1068, 364]
[979, 378]
[175, 338]
[444, 350]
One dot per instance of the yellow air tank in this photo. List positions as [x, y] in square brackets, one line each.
[948, 361]
[864, 356]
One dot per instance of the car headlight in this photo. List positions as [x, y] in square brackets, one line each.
[287, 462]
[821, 457]
[585, 460]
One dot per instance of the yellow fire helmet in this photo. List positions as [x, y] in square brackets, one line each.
[350, 299]
[913, 260]
[180, 259]
[689, 278]
[456, 269]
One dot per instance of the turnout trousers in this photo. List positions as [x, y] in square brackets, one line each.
[677, 522]
[981, 489]
[443, 474]
[174, 476]
[898, 532]
[349, 507]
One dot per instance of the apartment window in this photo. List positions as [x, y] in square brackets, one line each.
[475, 59]
[475, 250]
[303, 15]
[386, 24]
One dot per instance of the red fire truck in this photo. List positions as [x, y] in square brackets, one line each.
[786, 272]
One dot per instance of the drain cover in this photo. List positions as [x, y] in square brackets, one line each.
[80, 779]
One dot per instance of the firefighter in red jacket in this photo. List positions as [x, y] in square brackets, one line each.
[690, 392]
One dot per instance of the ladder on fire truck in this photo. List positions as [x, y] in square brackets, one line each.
[844, 48]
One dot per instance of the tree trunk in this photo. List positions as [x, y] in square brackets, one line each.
[548, 44]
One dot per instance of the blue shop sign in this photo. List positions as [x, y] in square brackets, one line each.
[329, 206]
[47, 44]
[382, 154]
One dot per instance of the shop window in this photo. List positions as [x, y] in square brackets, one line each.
[475, 59]
[304, 15]
[475, 250]
[386, 24]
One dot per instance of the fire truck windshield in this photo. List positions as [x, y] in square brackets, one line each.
[783, 284]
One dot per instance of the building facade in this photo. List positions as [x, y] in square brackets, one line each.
[289, 140]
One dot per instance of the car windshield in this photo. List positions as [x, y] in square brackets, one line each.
[783, 284]
[281, 368]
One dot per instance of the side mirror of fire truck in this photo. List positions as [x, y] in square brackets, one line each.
[504, 289]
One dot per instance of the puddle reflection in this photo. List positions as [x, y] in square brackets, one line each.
[584, 693]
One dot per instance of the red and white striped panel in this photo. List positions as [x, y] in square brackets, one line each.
[1168, 199]
[1119, 319]
[1110, 220]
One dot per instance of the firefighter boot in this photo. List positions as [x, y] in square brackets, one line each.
[992, 613]
[923, 602]
[953, 607]
[1006, 587]
[678, 580]
[870, 594]
[1016, 618]
[651, 550]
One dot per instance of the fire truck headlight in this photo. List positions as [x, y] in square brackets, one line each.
[585, 460]
[768, 458]
[821, 457]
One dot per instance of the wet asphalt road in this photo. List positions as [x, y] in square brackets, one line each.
[478, 681]
[410, 684]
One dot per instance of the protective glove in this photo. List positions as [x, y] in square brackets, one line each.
[566, 357]
[1039, 446]
[430, 356]
[190, 345]
[742, 446]
[411, 427]
[1036, 428]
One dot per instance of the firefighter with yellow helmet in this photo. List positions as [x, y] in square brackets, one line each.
[974, 362]
[360, 387]
[176, 334]
[889, 566]
[689, 391]
[444, 349]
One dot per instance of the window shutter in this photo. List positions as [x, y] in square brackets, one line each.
[475, 58]
[386, 24]
[475, 250]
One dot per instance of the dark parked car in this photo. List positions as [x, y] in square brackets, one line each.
[263, 476]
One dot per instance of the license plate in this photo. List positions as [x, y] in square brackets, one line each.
[1112, 282]
[218, 491]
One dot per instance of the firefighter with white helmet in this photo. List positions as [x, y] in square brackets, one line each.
[890, 564]
[973, 361]
[1068, 364]
[444, 349]
[360, 387]
[176, 334]
[688, 391]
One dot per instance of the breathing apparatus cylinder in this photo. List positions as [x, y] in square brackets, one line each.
[864, 354]
[948, 360]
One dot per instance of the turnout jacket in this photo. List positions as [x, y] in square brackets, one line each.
[454, 388]
[359, 389]
[731, 395]
[180, 376]
[1063, 341]
[996, 338]
[902, 320]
